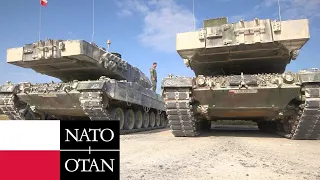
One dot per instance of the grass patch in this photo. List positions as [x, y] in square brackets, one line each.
[235, 122]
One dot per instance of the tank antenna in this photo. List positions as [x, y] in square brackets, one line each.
[92, 20]
[40, 24]
[279, 10]
[109, 42]
[194, 19]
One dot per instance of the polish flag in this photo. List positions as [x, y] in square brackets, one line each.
[30, 150]
[43, 2]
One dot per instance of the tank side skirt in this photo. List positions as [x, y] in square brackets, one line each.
[152, 102]
[92, 104]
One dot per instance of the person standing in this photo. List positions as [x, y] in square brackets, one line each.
[153, 75]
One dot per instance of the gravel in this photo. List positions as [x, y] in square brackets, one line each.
[223, 153]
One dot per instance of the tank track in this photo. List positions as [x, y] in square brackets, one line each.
[180, 113]
[308, 126]
[11, 106]
[92, 104]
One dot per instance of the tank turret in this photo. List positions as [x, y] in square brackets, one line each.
[70, 60]
[249, 47]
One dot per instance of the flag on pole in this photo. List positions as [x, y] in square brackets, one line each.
[56, 150]
[43, 2]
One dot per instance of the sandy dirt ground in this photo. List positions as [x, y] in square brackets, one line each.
[223, 153]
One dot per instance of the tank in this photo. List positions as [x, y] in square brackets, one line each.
[240, 74]
[95, 85]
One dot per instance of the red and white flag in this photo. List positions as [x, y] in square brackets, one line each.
[30, 150]
[38, 150]
[43, 2]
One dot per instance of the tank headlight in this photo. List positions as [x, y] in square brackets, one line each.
[201, 81]
[288, 77]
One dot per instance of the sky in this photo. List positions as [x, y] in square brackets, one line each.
[142, 31]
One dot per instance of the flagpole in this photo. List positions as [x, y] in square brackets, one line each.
[194, 19]
[40, 22]
[92, 20]
[279, 10]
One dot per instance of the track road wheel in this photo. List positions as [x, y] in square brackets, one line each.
[129, 119]
[146, 118]
[117, 114]
[158, 120]
[162, 119]
[138, 120]
[152, 119]
[288, 124]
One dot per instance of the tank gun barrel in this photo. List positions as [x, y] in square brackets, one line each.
[70, 60]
